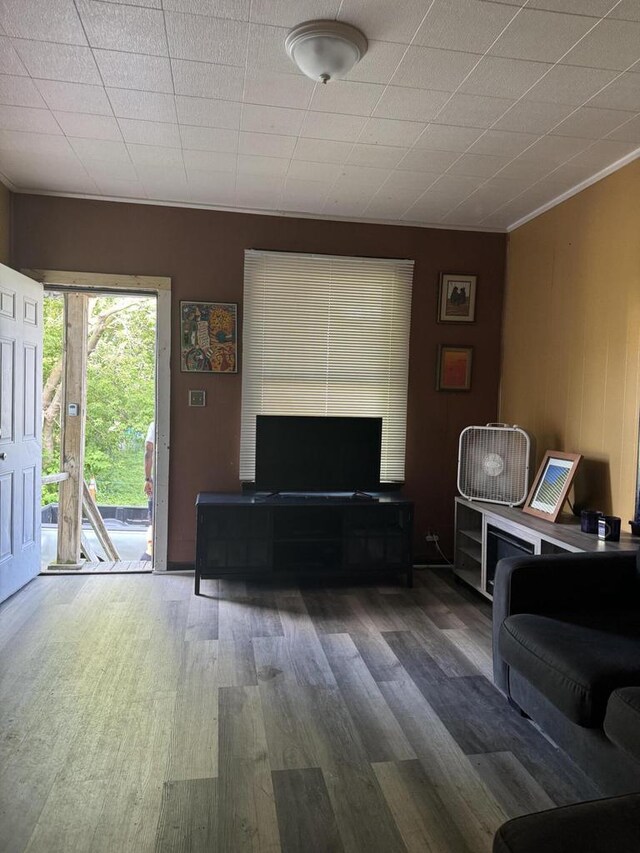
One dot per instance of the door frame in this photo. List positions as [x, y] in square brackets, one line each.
[160, 287]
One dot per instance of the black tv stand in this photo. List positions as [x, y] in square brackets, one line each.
[243, 535]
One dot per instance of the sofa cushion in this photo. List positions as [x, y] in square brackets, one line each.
[602, 826]
[575, 660]
[622, 720]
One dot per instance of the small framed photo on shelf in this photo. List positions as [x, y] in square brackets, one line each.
[551, 485]
[457, 302]
[454, 368]
[208, 337]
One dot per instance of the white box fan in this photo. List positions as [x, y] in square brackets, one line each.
[493, 464]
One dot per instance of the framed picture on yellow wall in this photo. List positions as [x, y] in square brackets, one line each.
[551, 485]
[457, 302]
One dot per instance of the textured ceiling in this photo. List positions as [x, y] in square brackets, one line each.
[462, 113]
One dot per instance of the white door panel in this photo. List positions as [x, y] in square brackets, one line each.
[6, 518]
[7, 362]
[20, 429]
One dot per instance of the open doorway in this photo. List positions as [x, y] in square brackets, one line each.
[71, 282]
[118, 430]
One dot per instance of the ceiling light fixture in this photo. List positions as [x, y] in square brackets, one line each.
[325, 50]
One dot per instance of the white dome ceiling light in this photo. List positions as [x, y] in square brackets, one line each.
[325, 50]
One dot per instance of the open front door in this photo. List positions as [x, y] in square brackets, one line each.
[20, 429]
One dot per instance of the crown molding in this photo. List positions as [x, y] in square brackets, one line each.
[583, 185]
[257, 212]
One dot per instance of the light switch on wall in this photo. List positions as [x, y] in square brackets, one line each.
[197, 398]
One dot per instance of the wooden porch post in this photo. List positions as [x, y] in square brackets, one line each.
[73, 427]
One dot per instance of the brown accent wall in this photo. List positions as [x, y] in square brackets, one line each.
[572, 335]
[5, 224]
[202, 251]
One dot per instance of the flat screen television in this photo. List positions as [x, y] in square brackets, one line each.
[317, 454]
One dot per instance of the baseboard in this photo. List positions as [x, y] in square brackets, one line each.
[180, 567]
[424, 560]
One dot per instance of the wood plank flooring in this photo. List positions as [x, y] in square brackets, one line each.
[137, 717]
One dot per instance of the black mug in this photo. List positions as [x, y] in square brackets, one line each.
[589, 520]
[609, 528]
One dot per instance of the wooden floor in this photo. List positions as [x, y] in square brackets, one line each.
[105, 567]
[135, 716]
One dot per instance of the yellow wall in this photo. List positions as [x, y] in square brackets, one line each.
[4, 224]
[571, 349]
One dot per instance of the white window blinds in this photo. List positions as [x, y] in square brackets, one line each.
[326, 335]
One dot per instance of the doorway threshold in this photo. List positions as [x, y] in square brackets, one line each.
[114, 567]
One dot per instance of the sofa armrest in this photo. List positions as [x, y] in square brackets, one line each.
[599, 826]
[555, 582]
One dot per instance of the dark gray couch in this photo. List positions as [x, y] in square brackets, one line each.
[566, 647]
[611, 825]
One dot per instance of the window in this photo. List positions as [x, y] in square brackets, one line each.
[326, 335]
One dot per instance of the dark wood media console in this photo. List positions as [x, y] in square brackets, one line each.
[243, 534]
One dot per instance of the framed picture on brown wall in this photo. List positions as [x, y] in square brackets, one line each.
[454, 368]
[208, 337]
[457, 301]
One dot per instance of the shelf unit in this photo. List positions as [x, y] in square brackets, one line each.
[468, 545]
[473, 519]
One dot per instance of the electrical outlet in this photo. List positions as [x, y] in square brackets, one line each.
[432, 537]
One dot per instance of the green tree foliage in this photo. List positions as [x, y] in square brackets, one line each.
[120, 394]
[53, 324]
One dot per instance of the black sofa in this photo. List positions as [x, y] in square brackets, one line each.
[566, 651]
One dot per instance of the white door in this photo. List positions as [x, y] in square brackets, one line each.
[20, 429]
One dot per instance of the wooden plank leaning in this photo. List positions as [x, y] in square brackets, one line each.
[87, 549]
[95, 519]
